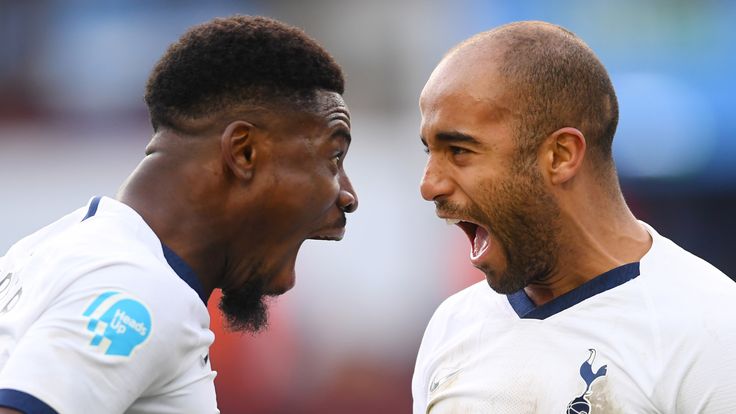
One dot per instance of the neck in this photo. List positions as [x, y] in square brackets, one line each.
[594, 239]
[162, 190]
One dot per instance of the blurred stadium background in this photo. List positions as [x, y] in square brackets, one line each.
[73, 125]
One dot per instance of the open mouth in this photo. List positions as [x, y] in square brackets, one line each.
[325, 237]
[479, 237]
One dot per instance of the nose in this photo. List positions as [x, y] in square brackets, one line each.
[347, 199]
[435, 184]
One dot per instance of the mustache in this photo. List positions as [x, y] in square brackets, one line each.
[447, 208]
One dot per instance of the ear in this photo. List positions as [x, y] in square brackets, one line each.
[564, 151]
[238, 146]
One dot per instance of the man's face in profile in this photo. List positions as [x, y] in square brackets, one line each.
[307, 197]
[480, 180]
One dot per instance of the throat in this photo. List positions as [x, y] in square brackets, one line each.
[553, 285]
[540, 296]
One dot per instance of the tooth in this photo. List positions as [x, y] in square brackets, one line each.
[452, 222]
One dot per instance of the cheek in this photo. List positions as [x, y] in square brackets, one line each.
[314, 195]
[325, 192]
[483, 191]
[496, 200]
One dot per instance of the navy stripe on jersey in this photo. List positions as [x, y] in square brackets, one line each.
[525, 308]
[26, 403]
[92, 207]
[177, 263]
[184, 271]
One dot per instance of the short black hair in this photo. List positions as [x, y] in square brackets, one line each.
[237, 60]
[555, 80]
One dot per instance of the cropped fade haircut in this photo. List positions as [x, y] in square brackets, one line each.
[234, 61]
[555, 80]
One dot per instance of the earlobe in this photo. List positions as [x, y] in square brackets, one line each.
[566, 151]
[238, 149]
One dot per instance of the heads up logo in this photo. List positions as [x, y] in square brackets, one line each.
[581, 404]
[119, 323]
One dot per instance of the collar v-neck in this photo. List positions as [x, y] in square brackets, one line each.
[525, 308]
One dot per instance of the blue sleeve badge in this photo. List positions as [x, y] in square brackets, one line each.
[119, 323]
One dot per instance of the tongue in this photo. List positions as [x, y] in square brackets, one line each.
[480, 244]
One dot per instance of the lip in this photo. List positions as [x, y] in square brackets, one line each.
[467, 226]
[334, 234]
[335, 230]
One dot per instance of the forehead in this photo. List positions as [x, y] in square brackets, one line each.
[464, 94]
[317, 119]
[330, 107]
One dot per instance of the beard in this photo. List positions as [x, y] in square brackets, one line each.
[245, 307]
[524, 217]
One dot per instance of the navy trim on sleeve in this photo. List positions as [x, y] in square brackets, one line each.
[184, 271]
[525, 308]
[92, 207]
[21, 401]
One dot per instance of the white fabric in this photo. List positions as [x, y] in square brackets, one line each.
[47, 335]
[666, 338]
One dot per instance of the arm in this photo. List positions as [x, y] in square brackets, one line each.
[697, 375]
[95, 346]
[709, 385]
[9, 411]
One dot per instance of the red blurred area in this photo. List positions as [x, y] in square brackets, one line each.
[253, 371]
[273, 373]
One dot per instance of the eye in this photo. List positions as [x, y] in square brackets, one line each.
[458, 150]
[337, 158]
[426, 150]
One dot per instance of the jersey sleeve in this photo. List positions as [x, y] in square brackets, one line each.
[708, 383]
[96, 348]
[422, 369]
[419, 379]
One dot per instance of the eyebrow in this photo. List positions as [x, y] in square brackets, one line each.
[454, 137]
[344, 133]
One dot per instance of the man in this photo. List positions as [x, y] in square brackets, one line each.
[589, 310]
[105, 310]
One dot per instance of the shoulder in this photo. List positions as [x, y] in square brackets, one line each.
[107, 258]
[465, 302]
[692, 311]
[676, 278]
[463, 310]
[113, 243]
[456, 317]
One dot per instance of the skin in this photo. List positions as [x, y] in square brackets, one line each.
[237, 200]
[554, 223]
[238, 197]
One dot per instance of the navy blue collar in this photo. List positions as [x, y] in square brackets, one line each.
[525, 308]
[184, 271]
[177, 263]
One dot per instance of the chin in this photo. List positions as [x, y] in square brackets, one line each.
[281, 283]
[278, 290]
[502, 282]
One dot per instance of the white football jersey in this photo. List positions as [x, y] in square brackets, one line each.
[97, 316]
[657, 336]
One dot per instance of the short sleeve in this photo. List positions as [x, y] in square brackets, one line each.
[420, 379]
[708, 384]
[96, 348]
[419, 382]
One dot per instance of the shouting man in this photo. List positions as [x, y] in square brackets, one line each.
[584, 309]
[105, 309]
